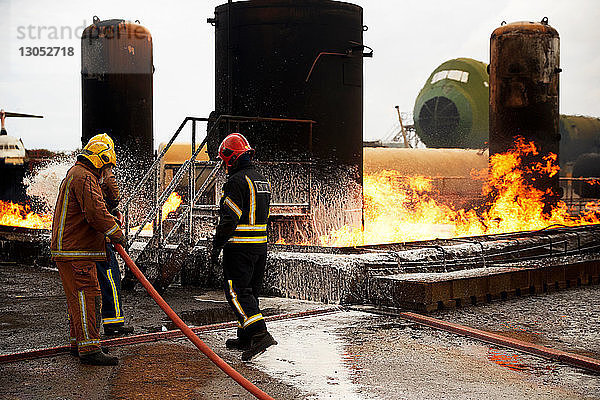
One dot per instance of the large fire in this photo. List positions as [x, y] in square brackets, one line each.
[12, 214]
[172, 204]
[400, 209]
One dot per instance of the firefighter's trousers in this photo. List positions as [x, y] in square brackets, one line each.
[109, 278]
[83, 301]
[243, 271]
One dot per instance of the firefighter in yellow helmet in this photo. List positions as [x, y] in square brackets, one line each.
[80, 226]
[100, 151]
[109, 275]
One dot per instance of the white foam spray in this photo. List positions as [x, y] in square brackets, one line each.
[43, 184]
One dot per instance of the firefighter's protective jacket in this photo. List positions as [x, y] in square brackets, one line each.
[81, 220]
[244, 210]
[110, 189]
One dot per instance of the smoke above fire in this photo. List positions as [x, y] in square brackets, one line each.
[401, 209]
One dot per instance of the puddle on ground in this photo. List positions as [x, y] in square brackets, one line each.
[311, 355]
[211, 313]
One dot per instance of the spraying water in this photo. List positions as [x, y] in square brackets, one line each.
[43, 184]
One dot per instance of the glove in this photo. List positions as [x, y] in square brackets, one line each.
[214, 255]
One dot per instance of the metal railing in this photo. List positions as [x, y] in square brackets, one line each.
[575, 190]
[189, 167]
[156, 210]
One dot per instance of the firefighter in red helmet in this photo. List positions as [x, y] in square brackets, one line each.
[242, 234]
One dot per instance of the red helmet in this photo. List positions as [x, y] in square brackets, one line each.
[232, 147]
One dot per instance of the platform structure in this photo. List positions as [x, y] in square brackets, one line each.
[173, 241]
[419, 276]
[432, 275]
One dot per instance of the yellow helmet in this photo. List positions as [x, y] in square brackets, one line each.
[100, 151]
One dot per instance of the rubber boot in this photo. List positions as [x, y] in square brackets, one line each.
[242, 342]
[117, 330]
[237, 344]
[98, 358]
[258, 344]
[75, 353]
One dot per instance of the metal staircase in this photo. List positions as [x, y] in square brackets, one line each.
[163, 250]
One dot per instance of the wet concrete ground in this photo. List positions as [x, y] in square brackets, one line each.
[347, 355]
[568, 320]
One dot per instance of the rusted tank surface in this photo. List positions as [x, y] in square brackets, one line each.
[116, 82]
[293, 59]
[524, 75]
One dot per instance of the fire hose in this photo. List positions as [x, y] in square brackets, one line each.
[218, 361]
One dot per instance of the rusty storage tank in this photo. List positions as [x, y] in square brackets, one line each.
[524, 74]
[116, 81]
[264, 53]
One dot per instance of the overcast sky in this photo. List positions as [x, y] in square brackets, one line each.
[409, 37]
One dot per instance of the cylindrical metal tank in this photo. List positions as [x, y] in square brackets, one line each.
[433, 163]
[265, 50]
[116, 80]
[524, 71]
[578, 135]
[587, 166]
[452, 109]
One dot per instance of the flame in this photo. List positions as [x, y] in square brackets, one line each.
[401, 209]
[13, 214]
[171, 204]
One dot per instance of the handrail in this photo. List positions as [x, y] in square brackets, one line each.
[159, 158]
[216, 123]
[209, 180]
[190, 163]
[163, 197]
[176, 179]
[174, 182]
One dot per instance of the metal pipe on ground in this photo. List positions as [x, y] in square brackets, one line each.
[158, 336]
[576, 360]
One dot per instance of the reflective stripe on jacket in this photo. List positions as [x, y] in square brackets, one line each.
[244, 209]
[81, 220]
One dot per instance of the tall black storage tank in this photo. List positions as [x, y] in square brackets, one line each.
[264, 52]
[116, 80]
[297, 59]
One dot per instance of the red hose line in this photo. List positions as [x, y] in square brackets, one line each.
[218, 361]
